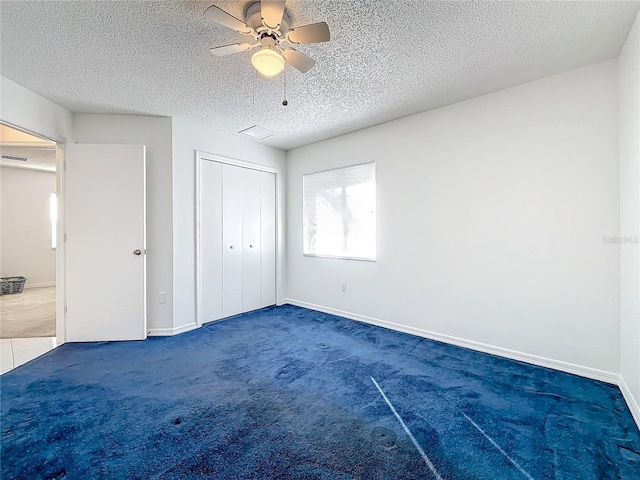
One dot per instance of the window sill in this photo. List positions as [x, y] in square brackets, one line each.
[360, 259]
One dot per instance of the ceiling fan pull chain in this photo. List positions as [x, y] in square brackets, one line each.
[284, 76]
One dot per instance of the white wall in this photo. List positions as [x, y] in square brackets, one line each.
[29, 111]
[155, 133]
[491, 217]
[25, 226]
[187, 139]
[629, 64]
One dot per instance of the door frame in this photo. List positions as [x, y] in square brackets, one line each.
[60, 231]
[200, 157]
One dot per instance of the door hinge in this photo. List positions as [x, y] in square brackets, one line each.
[65, 237]
[65, 309]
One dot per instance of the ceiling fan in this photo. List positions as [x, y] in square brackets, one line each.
[268, 24]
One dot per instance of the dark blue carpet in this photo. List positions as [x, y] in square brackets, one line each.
[287, 392]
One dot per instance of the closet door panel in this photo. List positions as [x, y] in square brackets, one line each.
[211, 239]
[268, 238]
[232, 188]
[251, 275]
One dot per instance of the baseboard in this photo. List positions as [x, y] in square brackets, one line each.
[631, 401]
[38, 285]
[566, 367]
[167, 332]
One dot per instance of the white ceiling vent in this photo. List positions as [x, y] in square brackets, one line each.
[13, 157]
[257, 132]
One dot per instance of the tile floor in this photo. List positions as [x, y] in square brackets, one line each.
[17, 351]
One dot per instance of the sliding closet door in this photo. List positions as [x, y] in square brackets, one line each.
[211, 240]
[268, 238]
[232, 190]
[251, 278]
[237, 241]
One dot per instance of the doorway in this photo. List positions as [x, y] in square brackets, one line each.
[28, 246]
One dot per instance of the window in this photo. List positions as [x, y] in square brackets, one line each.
[339, 213]
[53, 216]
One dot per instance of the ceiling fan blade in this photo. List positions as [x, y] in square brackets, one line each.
[298, 60]
[314, 33]
[229, 49]
[217, 15]
[272, 12]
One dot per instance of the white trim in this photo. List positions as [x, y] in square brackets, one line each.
[35, 168]
[583, 371]
[167, 332]
[234, 161]
[61, 245]
[335, 257]
[631, 402]
[198, 246]
[39, 285]
[204, 156]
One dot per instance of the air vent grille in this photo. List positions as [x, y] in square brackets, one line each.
[257, 132]
[13, 157]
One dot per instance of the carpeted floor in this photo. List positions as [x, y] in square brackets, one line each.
[290, 393]
[29, 314]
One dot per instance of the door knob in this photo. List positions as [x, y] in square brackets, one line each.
[251, 246]
[137, 251]
[231, 247]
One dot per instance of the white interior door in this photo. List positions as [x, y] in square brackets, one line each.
[211, 240]
[268, 238]
[236, 251]
[232, 179]
[105, 247]
[251, 278]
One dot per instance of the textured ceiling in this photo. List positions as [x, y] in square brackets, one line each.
[386, 59]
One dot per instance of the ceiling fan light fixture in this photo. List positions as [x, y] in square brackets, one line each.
[268, 62]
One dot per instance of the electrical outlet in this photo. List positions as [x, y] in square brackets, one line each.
[162, 297]
[344, 287]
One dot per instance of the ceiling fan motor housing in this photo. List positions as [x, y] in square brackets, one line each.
[268, 41]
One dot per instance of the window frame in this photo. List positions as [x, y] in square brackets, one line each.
[375, 214]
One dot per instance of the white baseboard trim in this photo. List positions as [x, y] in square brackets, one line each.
[38, 285]
[631, 402]
[566, 367]
[167, 332]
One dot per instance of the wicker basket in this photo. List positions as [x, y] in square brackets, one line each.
[11, 285]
